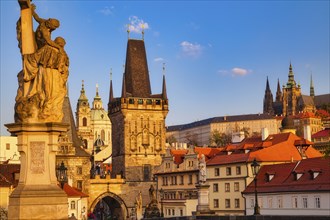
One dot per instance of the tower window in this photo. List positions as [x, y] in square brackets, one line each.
[84, 121]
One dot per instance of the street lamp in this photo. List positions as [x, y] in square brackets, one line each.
[62, 174]
[161, 191]
[255, 169]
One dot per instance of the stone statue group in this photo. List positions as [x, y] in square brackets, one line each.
[42, 80]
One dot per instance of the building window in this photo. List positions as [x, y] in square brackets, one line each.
[238, 170]
[227, 203]
[173, 180]
[181, 212]
[251, 203]
[317, 202]
[294, 202]
[216, 172]
[270, 202]
[236, 186]
[181, 180]
[215, 203]
[197, 178]
[79, 184]
[227, 187]
[305, 202]
[191, 163]
[146, 172]
[79, 170]
[73, 205]
[173, 212]
[84, 121]
[7, 146]
[228, 171]
[168, 165]
[237, 203]
[215, 187]
[190, 179]
[279, 202]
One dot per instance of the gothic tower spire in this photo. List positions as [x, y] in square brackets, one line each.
[268, 100]
[138, 119]
[278, 92]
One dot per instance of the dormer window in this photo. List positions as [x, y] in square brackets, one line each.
[270, 176]
[314, 173]
[247, 151]
[297, 175]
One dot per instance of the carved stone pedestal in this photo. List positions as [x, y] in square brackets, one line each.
[203, 207]
[37, 195]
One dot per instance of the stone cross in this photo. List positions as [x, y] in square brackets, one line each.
[27, 35]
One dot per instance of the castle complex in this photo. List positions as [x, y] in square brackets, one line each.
[290, 101]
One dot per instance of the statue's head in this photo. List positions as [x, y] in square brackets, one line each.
[60, 41]
[52, 23]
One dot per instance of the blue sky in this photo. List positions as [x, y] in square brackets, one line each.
[218, 54]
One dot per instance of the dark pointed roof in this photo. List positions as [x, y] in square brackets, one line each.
[111, 89]
[267, 85]
[72, 132]
[164, 92]
[136, 75]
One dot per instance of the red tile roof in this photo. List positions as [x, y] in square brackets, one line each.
[276, 148]
[178, 155]
[284, 177]
[323, 133]
[7, 174]
[72, 191]
[208, 152]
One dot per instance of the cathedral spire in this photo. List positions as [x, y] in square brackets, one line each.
[268, 100]
[164, 93]
[291, 81]
[267, 85]
[278, 92]
[311, 90]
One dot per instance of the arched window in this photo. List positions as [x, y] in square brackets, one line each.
[84, 121]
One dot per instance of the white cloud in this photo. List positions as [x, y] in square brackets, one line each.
[236, 71]
[136, 24]
[190, 49]
[158, 59]
[107, 10]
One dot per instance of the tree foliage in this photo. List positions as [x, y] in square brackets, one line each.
[219, 139]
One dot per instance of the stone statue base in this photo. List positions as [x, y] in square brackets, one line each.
[37, 195]
[203, 207]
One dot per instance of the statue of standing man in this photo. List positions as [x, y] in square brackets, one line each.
[202, 170]
[42, 81]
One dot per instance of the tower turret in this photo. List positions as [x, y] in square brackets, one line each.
[311, 90]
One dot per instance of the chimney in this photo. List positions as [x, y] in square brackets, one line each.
[307, 132]
[264, 134]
